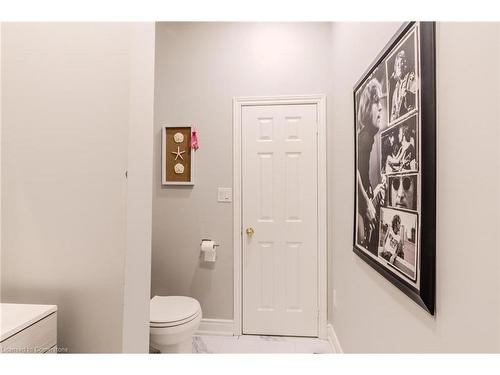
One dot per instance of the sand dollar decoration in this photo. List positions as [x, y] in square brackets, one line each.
[178, 137]
[179, 168]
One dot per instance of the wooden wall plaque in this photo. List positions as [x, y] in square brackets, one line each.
[177, 156]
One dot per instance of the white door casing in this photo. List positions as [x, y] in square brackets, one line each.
[280, 192]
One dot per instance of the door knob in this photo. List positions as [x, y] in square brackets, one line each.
[250, 231]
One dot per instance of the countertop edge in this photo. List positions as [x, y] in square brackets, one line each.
[50, 310]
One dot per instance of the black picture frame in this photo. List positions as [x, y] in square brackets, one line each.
[417, 280]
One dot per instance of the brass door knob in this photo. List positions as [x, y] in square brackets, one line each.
[250, 231]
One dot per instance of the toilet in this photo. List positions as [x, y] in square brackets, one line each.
[172, 322]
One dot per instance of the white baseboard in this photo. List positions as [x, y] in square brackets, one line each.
[218, 327]
[333, 339]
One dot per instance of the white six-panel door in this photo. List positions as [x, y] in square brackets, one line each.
[280, 207]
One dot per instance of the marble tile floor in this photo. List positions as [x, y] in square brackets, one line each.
[259, 344]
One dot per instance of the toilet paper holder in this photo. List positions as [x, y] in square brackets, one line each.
[209, 250]
[208, 239]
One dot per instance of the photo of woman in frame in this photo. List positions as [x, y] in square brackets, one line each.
[371, 110]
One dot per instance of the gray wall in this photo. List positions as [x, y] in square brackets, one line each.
[67, 99]
[200, 67]
[371, 315]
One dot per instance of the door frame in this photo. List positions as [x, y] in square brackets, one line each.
[238, 104]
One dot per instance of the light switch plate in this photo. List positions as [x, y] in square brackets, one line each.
[225, 195]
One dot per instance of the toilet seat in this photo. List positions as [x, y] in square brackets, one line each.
[173, 324]
[171, 311]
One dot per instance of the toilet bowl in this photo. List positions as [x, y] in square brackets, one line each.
[173, 321]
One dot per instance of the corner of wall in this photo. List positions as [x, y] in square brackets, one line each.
[137, 273]
[1, 46]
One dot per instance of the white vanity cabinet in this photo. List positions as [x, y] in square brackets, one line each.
[28, 328]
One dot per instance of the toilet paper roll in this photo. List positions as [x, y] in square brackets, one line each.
[208, 250]
[207, 245]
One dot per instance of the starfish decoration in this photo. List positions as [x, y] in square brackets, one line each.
[178, 154]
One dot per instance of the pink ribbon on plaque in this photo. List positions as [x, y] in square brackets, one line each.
[194, 140]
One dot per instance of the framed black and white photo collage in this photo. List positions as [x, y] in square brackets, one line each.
[394, 112]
